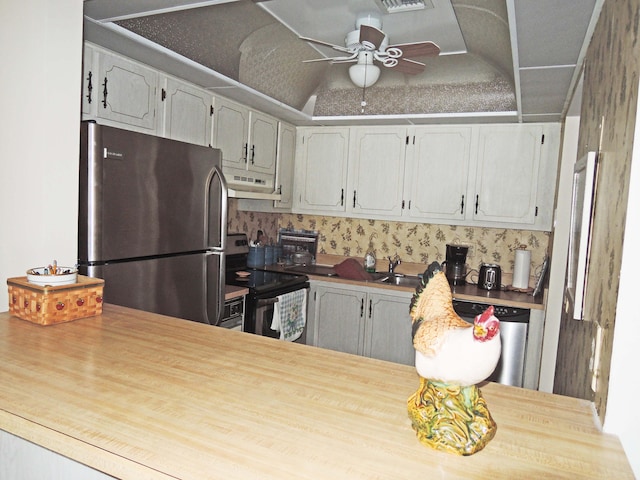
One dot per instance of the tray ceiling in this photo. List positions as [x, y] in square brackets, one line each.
[513, 60]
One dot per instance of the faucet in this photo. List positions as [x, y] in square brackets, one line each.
[393, 263]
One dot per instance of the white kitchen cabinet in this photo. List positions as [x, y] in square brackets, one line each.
[339, 318]
[366, 321]
[321, 169]
[507, 175]
[186, 112]
[286, 155]
[437, 173]
[247, 139]
[89, 90]
[376, 170]
[125, 92]
[500, 176]
[387, 334]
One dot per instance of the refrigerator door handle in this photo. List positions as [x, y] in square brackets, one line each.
[224, 203]
[220, 249]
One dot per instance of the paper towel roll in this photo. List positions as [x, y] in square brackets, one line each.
[521, 268]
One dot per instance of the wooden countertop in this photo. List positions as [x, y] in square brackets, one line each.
[139, 395]
[472, 293]
[231, 291]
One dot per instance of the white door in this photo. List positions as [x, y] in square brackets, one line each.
[507, 173]
[321, 169]
[285, 165]
[377, 171]
[187, 113]
[231, 133]
[126, 92]
[263, 136]
[437, 173]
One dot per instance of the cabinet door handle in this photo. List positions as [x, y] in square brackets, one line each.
[462, 206]
[253, 154]
[361, 307]
[246, 152]
[342, 197]
[104, 93]
[89, 87]
[354, 199]
[477, 203]
[370, 307]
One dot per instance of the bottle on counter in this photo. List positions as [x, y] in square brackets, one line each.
[370, 259]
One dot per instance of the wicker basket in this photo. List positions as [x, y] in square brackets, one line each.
[49, 305]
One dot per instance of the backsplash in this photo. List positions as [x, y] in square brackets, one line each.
[413, 242]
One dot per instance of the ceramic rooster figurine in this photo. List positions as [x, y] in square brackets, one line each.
[452, 356]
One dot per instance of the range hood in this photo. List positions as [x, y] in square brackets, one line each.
[257, 186]
[235, 192]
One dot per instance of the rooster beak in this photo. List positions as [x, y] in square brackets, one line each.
[479, 331]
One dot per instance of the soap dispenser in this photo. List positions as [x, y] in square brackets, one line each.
[370, 257]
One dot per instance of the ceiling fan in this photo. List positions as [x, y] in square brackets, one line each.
[368, 43]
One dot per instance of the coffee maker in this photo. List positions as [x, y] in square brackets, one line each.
[456, 264]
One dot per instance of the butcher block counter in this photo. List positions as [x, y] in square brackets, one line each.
[138, 395]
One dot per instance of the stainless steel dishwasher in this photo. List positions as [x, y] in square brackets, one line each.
[514, 330]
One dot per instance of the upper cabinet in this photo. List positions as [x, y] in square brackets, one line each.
[507, 174]
[186, 112]
[437, 173]
[321, 169]
[285, 161]
[248, 140]
[122, 91]
[477, 175]
[376, 170]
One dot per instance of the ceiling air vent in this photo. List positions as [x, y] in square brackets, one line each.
[397, 6]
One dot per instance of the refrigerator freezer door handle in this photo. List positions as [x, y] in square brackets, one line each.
[224, 200]
[224, 203]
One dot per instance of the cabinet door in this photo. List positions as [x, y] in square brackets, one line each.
[377, 170]
[437, 173]
[231, 131]
[285, 165]
[126, 92]
[263, 135]
[338, 319]
[507, 173]
[89, 82]
[388, 328]
[321, 169]
[187, 113]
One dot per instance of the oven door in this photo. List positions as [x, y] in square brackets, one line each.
[262, 313]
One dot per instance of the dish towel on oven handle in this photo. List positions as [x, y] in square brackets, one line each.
[290, 314]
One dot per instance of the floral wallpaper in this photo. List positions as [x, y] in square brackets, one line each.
[607, 120]
[413, 242]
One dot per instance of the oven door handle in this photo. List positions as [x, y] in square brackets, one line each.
[264, 302]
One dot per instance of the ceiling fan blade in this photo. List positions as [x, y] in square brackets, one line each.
[351, 58]
[410, 67]
[371, 37]
[418, 49]
[326, 44]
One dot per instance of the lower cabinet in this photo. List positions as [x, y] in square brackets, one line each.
[368, 321]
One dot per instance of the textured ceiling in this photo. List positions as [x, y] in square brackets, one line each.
[244, 42]
[520, 58]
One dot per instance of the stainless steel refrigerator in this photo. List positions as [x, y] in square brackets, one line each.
[152, 222]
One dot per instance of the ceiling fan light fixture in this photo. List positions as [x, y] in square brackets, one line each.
[364, 74]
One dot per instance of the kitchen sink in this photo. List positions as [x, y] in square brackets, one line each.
[399, 279]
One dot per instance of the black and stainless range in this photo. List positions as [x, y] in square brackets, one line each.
[264, 286]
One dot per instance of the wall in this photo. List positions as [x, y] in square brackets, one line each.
[608, 117]
[413, 242]
[41, 45]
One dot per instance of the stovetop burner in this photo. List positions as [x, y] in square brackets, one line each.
[259, 281]
[263, 281]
